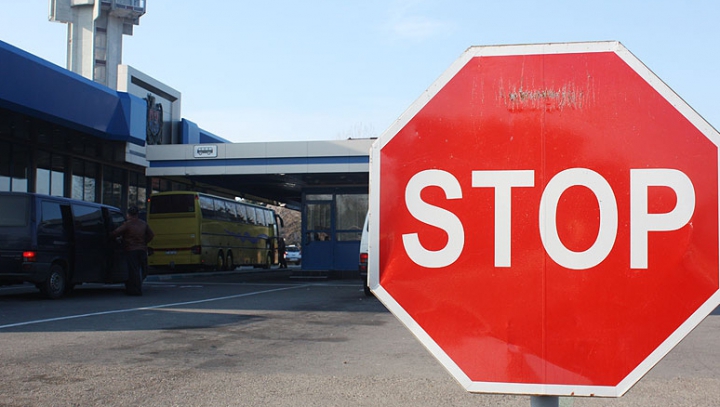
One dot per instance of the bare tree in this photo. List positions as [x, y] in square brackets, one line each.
[358, 131]
[292, 230]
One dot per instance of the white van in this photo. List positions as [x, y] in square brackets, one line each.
[363, 266]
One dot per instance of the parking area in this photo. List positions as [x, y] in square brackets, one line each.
[246, 338]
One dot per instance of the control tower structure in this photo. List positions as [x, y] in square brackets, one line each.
[95, 30]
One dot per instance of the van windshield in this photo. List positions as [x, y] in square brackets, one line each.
[184, 203]
[13, 210]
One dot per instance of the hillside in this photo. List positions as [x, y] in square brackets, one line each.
[293, 227]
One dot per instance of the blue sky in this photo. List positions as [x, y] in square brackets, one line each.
[325, 70]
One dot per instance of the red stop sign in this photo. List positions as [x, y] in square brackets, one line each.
[545, 219]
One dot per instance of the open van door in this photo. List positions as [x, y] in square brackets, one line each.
[117, 270]
[90, 243]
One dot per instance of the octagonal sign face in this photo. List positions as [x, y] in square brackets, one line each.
[545, 219]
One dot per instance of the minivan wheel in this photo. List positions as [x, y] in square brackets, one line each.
[54, 286]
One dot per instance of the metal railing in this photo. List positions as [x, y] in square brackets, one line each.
[136, 5]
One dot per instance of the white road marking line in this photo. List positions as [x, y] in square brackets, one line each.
[120, 311]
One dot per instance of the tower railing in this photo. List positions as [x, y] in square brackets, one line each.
[136, 7]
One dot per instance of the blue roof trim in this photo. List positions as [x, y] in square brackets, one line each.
[39, 88]
[192, 134]
[261, 161]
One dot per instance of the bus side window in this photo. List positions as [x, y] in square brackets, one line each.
[242, 213]
[221, 211]
[206, 207]
[251, 215]
[269, 218]
[232, 211]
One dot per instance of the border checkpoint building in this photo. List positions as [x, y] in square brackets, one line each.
[105, 132]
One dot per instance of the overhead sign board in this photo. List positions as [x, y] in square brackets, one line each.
[205, 151]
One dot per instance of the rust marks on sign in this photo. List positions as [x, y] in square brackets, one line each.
[567, 96]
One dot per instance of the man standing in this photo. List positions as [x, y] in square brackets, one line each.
[281, 253]
[136, 234]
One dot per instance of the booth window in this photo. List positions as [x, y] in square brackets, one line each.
[319, 221]
[351, 211]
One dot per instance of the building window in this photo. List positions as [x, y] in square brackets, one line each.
[42, 181]
[57, 175]
[50, 174]
[5, 174]
[84, 180]
[137, 190]
[19, 168]
[112, 186]
[161, 185]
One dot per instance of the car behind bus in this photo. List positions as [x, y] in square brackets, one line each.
[57, 243]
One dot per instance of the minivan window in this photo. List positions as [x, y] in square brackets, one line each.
[51, 216]
[88, 218]
[14, 210]
[116, 219]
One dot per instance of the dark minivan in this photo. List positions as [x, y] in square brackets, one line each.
[57, 243]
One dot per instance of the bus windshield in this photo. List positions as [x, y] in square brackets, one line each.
[173, 204]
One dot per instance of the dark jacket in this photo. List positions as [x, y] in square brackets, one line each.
[135, 233]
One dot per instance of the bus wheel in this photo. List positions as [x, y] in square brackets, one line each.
[229, 263]
[268, 261]
[220, 261]
[54, 286]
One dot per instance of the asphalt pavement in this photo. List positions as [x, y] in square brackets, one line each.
[245, 338]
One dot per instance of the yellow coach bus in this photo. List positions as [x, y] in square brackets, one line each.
[196, 230]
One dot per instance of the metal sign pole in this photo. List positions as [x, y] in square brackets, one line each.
[544, 401]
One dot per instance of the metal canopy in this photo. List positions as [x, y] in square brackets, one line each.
[278, 188]
[274, 172]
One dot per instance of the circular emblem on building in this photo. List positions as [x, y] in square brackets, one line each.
[154, 121]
